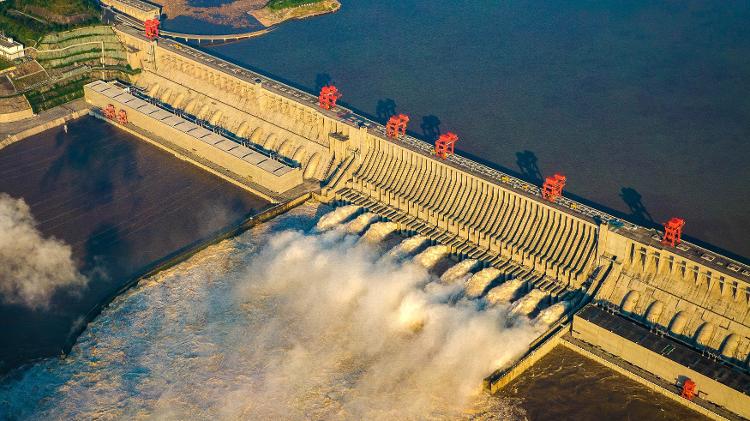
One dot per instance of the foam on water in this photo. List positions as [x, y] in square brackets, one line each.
[431, 256]
[379, 231]
[336, 217]
[279, 324]
[504, 292]
[478, 283]
[459, 272]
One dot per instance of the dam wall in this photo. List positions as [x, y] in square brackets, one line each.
[571, 252]
[269, 114]
[240, 160]
[687, 292]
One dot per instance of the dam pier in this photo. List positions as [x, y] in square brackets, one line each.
[669, 313]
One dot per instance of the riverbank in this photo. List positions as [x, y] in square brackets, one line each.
[270, 16]
[13, 132]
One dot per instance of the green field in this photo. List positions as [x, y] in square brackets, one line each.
[29, 20]
[4, 64]
[283, 4]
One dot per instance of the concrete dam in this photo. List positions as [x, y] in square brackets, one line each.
[673, 316]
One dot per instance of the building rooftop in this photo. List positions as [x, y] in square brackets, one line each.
[667, 347]
[223, 144]
[8, 43]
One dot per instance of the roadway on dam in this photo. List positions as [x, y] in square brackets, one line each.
[120, 203]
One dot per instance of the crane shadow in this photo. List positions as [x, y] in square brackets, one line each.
[528, 164]
[385, 109]
[638, 212]
[430, 127]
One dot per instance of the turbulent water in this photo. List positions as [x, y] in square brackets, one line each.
[284, 322]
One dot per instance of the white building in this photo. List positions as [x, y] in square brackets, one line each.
[10, 49]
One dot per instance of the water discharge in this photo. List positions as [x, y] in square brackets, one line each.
[431, 256]
[505, 292]
[336, 217]
[281, 324]
[459, 272]
[379, 231]
[551, 314]
[407, 247]
[360, 223]
[477, 285]
[529, 302]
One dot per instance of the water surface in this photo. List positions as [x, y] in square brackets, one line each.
[120, 203]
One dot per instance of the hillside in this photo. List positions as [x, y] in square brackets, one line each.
[30, 20]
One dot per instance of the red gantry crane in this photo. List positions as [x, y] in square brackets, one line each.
[688, 389]
[109, 112]
[553, 186]
[122, 117]
[673, 232]
[328, 97]
[445, 146]
[396, 126]
[152, 28]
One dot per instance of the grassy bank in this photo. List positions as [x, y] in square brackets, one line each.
[29, 20]
[277, 11]
[283, 4]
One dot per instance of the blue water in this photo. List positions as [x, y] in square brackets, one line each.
[643, 105]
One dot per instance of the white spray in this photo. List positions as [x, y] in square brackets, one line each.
[431, 256]
[529, 302]
[336, 217]
[360, 223]
[505, 292]
[459, 272]
[379, 231]
[32, 268]
[480, 281]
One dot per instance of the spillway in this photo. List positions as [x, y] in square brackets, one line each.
[552, 314]
[431, 256]
[361, 223]
[477, 285]
[505, 292]
[529, 303]
[408, 247]
[336, 217]
[459, 272]
[379, 231]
